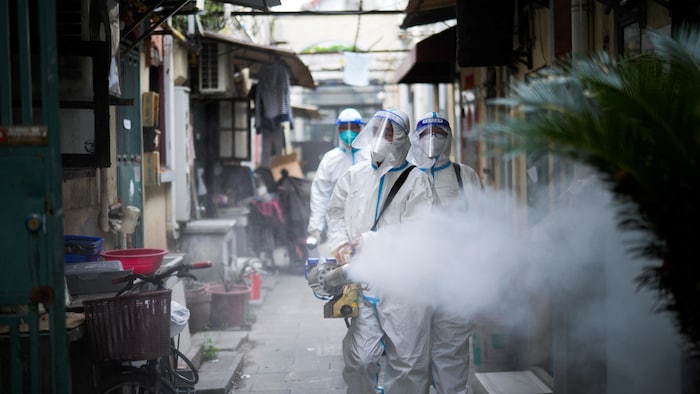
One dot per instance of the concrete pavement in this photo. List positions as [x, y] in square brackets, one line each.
[291, 348]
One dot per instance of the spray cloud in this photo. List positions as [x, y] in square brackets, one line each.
[486, 263]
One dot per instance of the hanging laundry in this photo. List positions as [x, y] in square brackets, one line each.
[272, 106]
[356, 68]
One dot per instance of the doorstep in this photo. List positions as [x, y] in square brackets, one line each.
[217, 376]
[510, 382]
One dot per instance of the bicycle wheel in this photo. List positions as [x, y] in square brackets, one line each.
[187, 375]
[135, 384]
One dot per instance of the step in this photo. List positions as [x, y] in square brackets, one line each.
[217, 376]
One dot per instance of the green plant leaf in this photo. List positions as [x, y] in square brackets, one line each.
[636, 121]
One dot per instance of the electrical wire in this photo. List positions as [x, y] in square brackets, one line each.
[357, 29]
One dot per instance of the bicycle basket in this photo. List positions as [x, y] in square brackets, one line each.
[129, 327]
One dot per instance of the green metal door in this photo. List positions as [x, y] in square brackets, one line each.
[130, 141]
[31, 241]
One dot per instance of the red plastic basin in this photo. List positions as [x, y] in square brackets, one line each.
[142, 260]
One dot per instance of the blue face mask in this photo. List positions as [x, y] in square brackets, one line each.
[348, 136]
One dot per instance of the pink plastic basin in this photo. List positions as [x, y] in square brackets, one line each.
[142, 260]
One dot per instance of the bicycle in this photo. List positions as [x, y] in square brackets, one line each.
[130, 336]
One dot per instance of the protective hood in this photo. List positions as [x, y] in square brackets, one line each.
[431, 141]
[349, 124]
[385, 137]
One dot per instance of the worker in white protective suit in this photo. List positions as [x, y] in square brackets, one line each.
[333, 164]
[386, 323]
[456, 187]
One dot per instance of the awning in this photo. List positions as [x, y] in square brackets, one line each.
[431, 60]
[251, 55]
[257, 4]
[305, 111]
[423, 12]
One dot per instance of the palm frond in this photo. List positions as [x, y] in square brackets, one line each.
[637, 122]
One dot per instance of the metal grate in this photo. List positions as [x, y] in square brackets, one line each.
[209, 68]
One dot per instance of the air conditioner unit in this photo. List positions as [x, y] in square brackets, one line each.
[213, 68]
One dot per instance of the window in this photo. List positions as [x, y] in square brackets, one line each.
[234, 130]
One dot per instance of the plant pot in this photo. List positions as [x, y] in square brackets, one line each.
[228, 308]
[199, 303]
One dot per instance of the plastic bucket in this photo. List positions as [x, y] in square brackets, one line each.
[255, 280]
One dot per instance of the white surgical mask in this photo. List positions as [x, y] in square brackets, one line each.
[434, 146]
[380, 151]
[440, 146]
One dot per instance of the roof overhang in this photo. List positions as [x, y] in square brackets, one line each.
[263, 5]
[251, 55]
[485, 33]
[305, 111]
[423, 12]
[431, 60]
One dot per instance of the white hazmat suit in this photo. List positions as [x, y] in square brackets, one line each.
[386, 323]
[333, 164]
[431, 144]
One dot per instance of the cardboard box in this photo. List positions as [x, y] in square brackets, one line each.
[149, 109]
[510, 382]
[287, 162]
[491, 349]
[151, 168]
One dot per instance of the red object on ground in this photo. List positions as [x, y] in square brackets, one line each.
[255, 284]
[142, 260]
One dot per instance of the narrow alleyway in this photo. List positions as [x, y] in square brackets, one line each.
[291, 348]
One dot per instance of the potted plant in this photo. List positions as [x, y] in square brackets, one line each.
[229, 297]
[198, 301]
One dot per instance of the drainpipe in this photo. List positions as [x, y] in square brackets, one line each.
[168, 106]
[104, 200]
[552, 46]
[579, 26]
[580, 11]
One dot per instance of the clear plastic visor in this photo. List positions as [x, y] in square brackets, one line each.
[429, 137]
[382, 130]
[376, 130]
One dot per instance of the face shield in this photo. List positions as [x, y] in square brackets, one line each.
[431, 142]
[385, 137]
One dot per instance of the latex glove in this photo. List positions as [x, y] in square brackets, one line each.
[313, 239]
[344, 253]
[316, 234]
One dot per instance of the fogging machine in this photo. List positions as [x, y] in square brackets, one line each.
[329, 282]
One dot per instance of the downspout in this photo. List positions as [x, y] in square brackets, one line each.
[579, 26]
[108, 183]
[104, 200]
[169, 105]
[552, 45]
[579, 47]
